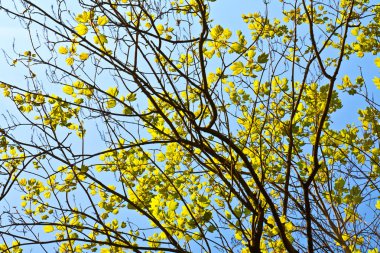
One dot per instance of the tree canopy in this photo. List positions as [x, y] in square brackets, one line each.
[147, 126]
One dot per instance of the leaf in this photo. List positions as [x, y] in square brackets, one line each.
[227, 214]
[48, 229]
[105, 250]
[376, 81]
[355, 31]
[70, 61]
[131, 97]
[236, 47]
[339, 185]
[378, 204]
[172, 205]
[377, 62]
[127, 110]
[237, 68]
[345, 237]
[100, 39]
[78, 101]
[238, 236]
[131, 207]
[103, 20]
[83, 17]
[361, 158]
[63, 50]
[83, 56]
[81, 29]
[160, 157]
[111, 103]
[69, 90]
[216, 31]
[22, 181]
[113, 91]
[263, 58]
[160, 27]
[211, 228]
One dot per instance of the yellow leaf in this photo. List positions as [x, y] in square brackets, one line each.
[376, 81]
[113, 91]
[131, 97]
[377, 62]
[68, 90]
[238, 236]
[127, 110]
[345, 237]
[111, 103]
[83, 17]
[237, 68]
[81, 29]
[100, 39]
[63, 50]
[160, 28]
[378, 204]
[70, 61]
[160, 157]
[22, 181]
[78, 84]
[47, 195]
[355, 31]
[346, 81]
[216, 31]
[78, 100]
[236, 47]
[83, 56]
[103, 20]
[48, 229]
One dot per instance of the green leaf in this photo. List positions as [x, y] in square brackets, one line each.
[339, 185]
[130, 206]
[111, 103]
[211, 228]
[263, 58]
[131, 97]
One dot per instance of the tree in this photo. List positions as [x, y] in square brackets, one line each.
[144, 126]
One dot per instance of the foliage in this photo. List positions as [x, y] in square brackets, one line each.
[144, 126]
